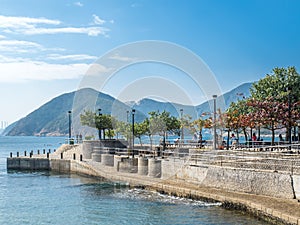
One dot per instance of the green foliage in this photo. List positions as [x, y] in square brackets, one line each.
[101, 122]
[161, 123]
[274, 103]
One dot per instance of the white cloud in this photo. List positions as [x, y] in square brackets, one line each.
[17, 46]
[122, 58]
[35, 26]
[78, 4]
[37, 70]
[10, 22]
[98, 21]
[90, 31]
[77, 57]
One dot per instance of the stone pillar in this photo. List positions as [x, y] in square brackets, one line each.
[96, 156]
[128, 165]
[117, 160]
[87, 148]
[154, 168]
[142, 166]
[107, 159]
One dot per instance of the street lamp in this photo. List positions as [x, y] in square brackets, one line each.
[70, 112]
[182, 134]
[99, 129]
[298, 124]
[288, 89]
[133, 112]
[215, 126]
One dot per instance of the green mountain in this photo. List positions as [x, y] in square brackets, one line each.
[51, 119]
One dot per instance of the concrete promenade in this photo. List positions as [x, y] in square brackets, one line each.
[273, 209]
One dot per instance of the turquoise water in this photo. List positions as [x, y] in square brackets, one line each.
[47, 198]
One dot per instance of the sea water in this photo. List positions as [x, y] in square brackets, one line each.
[47, 198]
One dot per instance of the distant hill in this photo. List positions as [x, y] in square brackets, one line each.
[147, 105]
[51, 119]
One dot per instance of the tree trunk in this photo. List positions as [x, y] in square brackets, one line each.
[273, 134]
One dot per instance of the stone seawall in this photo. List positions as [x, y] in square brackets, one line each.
[266, 193]
[269, 183]
[28, 164]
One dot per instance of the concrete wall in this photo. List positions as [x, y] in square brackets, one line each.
[243, 180]
[28, 164]
[250, 181]
[60, 165]
[296, 184]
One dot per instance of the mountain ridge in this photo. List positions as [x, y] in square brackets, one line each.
[51, 119]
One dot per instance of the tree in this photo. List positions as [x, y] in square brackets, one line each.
[141, 129]
[199, 124]
[101, 122]
[163, 123]
[278, 91]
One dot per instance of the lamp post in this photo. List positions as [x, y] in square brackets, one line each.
[127, 118]
[133, 112]
[99, 130]
[288, 89]
[181, 117]
[298, 125]
[215, 126]
[70, 112]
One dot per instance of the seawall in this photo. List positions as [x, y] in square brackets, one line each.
[269, 194]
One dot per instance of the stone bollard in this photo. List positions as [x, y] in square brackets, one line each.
[96, 156]
[61, 155]
[128, 165]
[74, 156]
[142, 165]
[18, 154]
[80, 158]
[107, 159]
[25, 153]
[154, 168]
[117, 160]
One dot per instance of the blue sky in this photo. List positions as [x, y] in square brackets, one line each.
[47, 46]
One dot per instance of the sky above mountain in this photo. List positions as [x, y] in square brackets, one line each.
[47, 47]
